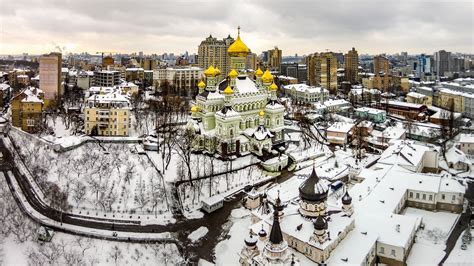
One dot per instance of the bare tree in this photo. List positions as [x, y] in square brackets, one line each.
[183, 149]
[115, 254]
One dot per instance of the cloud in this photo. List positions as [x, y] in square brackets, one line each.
[300, 26]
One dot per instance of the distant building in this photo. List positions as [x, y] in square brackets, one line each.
[85, 79]
[466, 144]
[252, 61]
[149, 64]
[106, 78]
[181, 81]
[423, 66]
[274, 59]
[214, 52]
[442, 61]
[27, 109]
[322, 70]
[415, 97]
[50, 76]
[382, 73]
[135, 74]
[303, 93]
[107, 61]
[107, 115]
[351, 66]
[371, 114]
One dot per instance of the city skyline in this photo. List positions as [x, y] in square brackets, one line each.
[38, 27]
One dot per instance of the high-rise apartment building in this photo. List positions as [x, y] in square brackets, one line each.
[423, 65]
[274, 59]
[442, 62]
[322, 70]
[213, 52]
[351, 66]
[50, 76]
[382, 73]
[251, 61]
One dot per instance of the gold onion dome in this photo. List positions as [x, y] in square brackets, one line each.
[210, 72]
[217, 71]
[233, 74]
[262, 113]
[228, 91]
[201, 84]
[259, 72]
[194, 109]
[267, 77]
[238, 47]
[273, 87]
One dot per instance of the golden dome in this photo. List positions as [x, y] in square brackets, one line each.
[267, 77]
[273, 87]
[238, 47]
[262, 113]
[212, 72]
[228, 90]
[201, 84]
[233, 74]
[259, 72]
[194, 109]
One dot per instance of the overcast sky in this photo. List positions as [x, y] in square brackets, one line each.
[305, 26]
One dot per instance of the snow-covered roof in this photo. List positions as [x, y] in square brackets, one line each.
[108, 98]
[465, 138]
[416, 95]
[405, 104]
[337, 102]
[4, 86]
[305, 88]
[370, 110]
[403, 153]
[341, 127]
[246, 85]
[354, 248]
[454, 155]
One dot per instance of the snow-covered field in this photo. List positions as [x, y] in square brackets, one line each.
[99, 178]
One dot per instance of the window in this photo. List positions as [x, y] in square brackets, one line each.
[454, 197]
[442, 196]
[431, 197]
[382, 250]
[392, 253]
[424, 196]
[417, 195]
[411, 194]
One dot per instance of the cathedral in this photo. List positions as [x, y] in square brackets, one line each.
[237, 115]
[309, 228]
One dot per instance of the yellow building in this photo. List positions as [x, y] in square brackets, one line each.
[274, 59]
[322, 70]
[27, 109]
[451, 100]
[107, 115]
[351, 66]
[382, 79]
[415, 97]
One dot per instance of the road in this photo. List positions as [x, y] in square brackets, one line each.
[181, 229]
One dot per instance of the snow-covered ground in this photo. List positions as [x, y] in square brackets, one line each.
[100, 179]
[65, 249]
[459, 256]
[430, 242]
